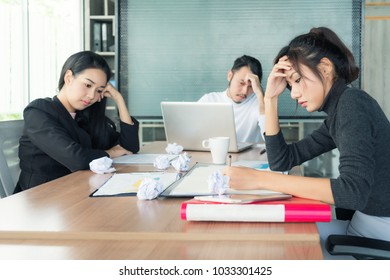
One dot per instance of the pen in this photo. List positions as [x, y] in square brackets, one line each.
[230, 160]
[262, 151]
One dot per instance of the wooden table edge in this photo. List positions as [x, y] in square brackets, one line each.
[85, 235]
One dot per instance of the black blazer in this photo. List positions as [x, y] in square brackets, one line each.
[54, 144]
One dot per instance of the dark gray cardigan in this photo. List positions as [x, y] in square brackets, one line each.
[357, 126]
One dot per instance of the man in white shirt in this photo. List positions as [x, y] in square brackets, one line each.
[244, 92]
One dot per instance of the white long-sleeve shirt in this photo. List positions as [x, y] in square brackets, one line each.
[248, 120]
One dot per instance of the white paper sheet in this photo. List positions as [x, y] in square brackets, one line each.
[195, 183]
[140, 158]
[128, 183]
[255, 164]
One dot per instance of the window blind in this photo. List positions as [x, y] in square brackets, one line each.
[179, 50]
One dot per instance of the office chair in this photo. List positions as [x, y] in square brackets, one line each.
[10, 132]
[361, 248]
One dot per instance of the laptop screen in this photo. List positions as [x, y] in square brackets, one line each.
[189, 123]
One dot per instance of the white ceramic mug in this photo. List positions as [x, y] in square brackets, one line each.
[219, 147]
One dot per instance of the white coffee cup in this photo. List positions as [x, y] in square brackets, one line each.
[219, 147]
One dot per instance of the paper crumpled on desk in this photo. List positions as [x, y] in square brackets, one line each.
[102, 165]
[149, 189]
[218, 183]
[181, 163]
[162, 162]
[174, 149]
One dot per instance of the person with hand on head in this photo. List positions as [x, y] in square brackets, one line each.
[245, 94]
[65, 133]
[318, 68]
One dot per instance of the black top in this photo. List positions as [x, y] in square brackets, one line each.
[54, 144]
[357, 126]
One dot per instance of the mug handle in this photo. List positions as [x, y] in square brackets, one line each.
[206, 144]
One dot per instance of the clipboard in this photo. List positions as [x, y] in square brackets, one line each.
[126, 184]
[194, 183]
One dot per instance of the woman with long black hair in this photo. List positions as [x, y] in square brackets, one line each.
[318, 69]
[65, 133]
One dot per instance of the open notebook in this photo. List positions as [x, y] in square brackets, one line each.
[189, 123]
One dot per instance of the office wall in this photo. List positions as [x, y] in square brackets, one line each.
[179, 50]
[376, 72]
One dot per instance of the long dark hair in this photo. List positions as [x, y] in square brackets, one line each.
[93, 118]
[308, 49]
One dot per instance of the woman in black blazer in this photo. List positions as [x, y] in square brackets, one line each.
[65, 133]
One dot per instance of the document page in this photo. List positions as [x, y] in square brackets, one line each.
[140, 158]
[128, 183]
[255, 164]
[195, 183]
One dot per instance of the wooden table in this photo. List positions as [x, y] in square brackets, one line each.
[59, 220]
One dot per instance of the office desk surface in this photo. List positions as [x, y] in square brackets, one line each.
[61, 217]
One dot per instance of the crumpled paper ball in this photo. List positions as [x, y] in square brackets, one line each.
[174, 149]
[181, 163]
[149, 189]
[218, 183]
[162, 162]
[102, 165]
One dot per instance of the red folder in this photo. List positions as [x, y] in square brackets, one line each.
[291, 210]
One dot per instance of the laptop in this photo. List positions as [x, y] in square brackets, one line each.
[189, 123]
